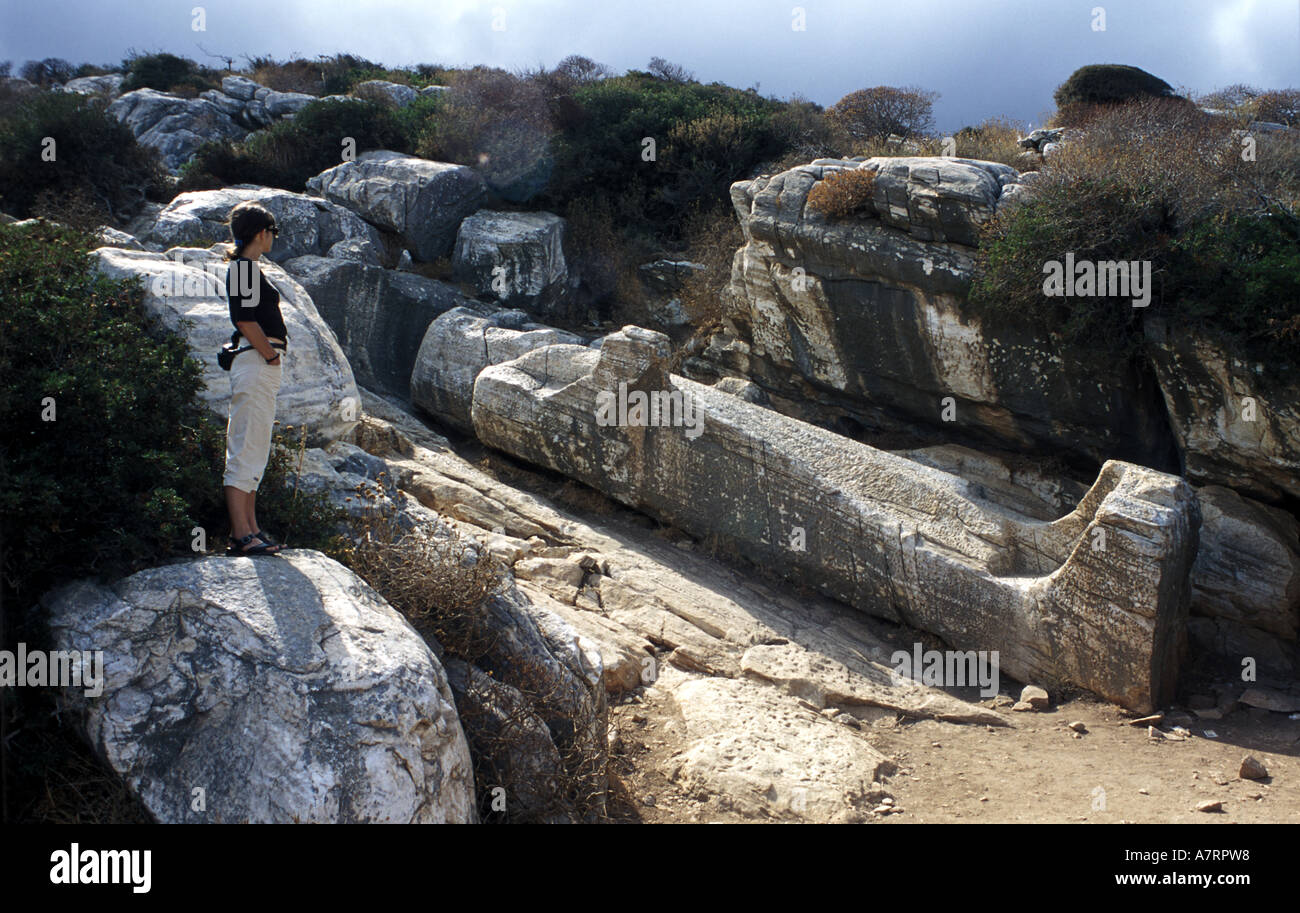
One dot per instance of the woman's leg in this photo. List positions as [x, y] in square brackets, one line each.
[237, 506]
[247, 442]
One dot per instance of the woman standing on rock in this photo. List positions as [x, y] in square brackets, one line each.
[254, 375]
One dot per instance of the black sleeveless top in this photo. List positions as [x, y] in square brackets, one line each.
[253, 297]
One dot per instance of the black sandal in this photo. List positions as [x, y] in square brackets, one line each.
[261, 534]
[236, 546]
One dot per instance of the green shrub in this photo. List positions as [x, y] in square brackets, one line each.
[1161, 183]
[132, 461]
[600, 151]
[701, 156]
[290, 151]
[47, 72]
[803, 132]
[1108, 84]
[95, 157]
[166, 73]
[498, 123]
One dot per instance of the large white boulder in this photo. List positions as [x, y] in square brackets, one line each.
[461, 343]
[308, 225]
[185, 288]
[273, 689]
[422, 201]
[382, 90]
[516, 258]
[109, 85]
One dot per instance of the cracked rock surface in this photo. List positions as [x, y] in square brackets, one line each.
[284, 689]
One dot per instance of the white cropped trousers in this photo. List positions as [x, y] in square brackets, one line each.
[253, 388]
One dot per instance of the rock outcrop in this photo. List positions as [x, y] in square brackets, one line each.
[107, 86]
[422, 201]
[1232, 429]
[254, 106]
[186, 289]
[460, 344]
[866, 318]
[390, 93]
[515, 259]
[254, 690]
[379, 315]
[1247, 569]
[1097, 598]
[308, 225]
[175, 126]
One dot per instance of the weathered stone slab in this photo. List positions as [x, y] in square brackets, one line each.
[1097, 598]
[462, 342]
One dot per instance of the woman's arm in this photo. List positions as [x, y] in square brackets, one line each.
[257, 339]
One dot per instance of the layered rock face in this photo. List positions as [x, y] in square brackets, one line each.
[866, 316]
[285, 690]
[185, 288]
[422, 201]
[1232, 429]
[1097, 598]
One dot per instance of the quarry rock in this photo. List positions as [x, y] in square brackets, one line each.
[287, 689]
[422, 201]
[876, 531]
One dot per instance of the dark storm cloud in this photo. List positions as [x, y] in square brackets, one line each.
[984, 58]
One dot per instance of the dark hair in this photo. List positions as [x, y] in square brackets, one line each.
[246, 220]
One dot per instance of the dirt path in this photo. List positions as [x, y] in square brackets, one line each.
[1036, 772]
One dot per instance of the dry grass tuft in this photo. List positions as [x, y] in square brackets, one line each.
[844, 193]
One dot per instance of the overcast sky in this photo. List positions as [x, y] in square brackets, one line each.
[984, 57]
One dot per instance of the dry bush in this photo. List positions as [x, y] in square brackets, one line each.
[1162, 148]
[712, 238]
[1154, 181]
[444, 586]
[878, 112]
[77, 208]
[441, 583]
[498, 123]
[305, 76]
[995, 140]
[605, 258]
[1279, 106]
[844, 193]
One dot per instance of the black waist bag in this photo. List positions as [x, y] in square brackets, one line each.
[226, 354]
